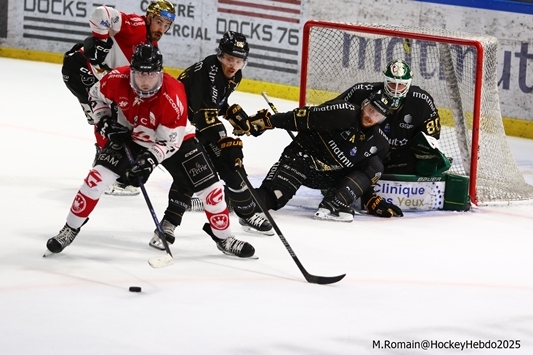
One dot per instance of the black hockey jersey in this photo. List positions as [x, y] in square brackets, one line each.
[331, 135]
[417, 113]
[208, 91]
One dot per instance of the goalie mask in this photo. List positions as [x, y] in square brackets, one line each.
[146, 70]
[397, 81]
[162, 8]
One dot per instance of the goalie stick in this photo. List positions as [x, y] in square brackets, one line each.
[321, 280]
[161, 261]
[274, 109]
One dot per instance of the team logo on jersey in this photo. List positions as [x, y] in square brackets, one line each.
[87, 80]
[137, 101]
[172, 137]
[122, 102]
[353, 151]
[407, 119]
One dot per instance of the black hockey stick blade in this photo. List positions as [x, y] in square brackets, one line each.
[321, 280]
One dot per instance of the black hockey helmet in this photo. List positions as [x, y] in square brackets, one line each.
[146, 70]
[234, 44]
[376, 107]
[147, 58]
[381, 102]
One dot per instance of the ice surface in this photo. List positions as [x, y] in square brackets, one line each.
[444, 276]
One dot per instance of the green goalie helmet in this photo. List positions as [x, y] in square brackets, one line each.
[397, 81]
[162, 8]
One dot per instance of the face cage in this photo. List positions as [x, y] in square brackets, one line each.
[395, 93]
[146, 94]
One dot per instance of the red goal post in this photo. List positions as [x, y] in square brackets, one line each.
[459, 71]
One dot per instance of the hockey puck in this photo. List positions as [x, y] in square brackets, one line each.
[135, 289]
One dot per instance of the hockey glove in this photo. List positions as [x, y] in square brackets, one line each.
[377, 206]
[141, 168]
[112, 130]
[231, 151]
[238, 119]
[96, 50]
[260, 122]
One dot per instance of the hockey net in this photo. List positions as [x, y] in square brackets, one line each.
[457, 69]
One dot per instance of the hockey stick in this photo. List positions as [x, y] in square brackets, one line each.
[274, 109]
[161, 261]
[321, 280]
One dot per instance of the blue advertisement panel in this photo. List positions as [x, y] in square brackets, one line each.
[518, 6]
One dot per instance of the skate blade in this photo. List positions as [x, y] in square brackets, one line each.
[161, 261]
[47, 253]
[158, 246]
[257, 232]
[326, 216]
[121, 193]
[231, 256]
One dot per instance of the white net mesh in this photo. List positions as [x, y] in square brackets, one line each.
[444, 64]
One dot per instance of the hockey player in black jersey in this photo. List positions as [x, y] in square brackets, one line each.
[339, 146]
[414, 117]
[413, 111]
[208, 84]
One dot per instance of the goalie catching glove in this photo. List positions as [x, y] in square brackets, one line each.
[231, 151]
[141, 169]
[377, 206]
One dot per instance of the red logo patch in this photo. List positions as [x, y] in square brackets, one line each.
[214, 197]
[219, 221]
[79, 204]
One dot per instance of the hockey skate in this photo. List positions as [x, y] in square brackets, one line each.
[231, 246]
[168, 228]
[121, 189]
[256, 224]
[62, 240]
[331, 209]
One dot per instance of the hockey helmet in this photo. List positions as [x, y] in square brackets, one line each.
[234, 44]
[376, 108]
[146, 70]
[162, 8]
[397, 80]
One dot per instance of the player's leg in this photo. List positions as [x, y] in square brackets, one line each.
[111, 163]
